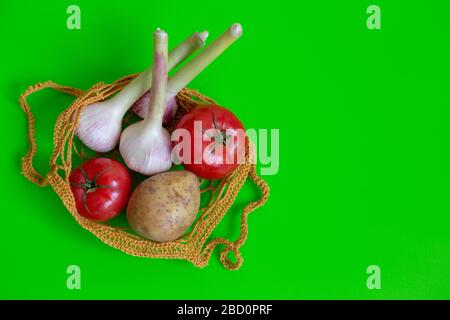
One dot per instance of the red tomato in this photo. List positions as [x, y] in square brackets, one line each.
[101, 188]
[217, 148]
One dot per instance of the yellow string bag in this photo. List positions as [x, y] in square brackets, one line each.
[194, 245]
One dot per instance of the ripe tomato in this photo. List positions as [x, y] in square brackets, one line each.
[217, 139]
[101, 188]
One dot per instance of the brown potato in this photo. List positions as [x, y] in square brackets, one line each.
[164, 206]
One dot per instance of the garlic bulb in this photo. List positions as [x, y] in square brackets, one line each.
[100, 126]
[145, 146]
[100, 123]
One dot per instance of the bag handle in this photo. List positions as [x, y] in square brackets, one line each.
[27, 161]
[234, 247]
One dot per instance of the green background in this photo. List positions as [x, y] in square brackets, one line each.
[364, 162]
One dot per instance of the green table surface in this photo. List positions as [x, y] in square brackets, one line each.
[364, 176]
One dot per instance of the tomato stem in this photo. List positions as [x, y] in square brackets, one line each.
[222, 137]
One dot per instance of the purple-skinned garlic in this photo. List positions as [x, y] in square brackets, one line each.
[188, 72]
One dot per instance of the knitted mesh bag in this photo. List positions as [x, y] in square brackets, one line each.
[196, 245]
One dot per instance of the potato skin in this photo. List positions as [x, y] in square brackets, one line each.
[164, 206]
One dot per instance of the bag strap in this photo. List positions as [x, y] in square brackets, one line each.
[234, 247]
[27, 161]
